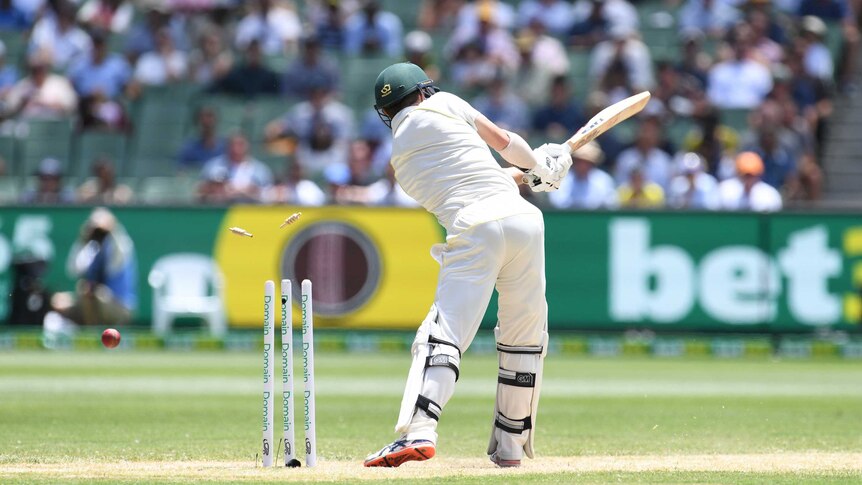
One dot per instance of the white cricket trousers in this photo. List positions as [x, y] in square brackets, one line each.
[506, 253]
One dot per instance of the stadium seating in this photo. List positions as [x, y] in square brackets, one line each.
[91, 145]
[39, 139]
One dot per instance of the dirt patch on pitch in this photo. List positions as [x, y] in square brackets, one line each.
[223, 471]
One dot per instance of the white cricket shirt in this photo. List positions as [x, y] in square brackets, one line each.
[441, 162]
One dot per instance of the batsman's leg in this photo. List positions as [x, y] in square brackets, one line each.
[522, 341]
[467, 276]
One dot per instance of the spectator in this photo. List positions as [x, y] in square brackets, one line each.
[102, 113]
[30, 8]
[715, 142]
[142, 35]
[103, 187]
[692, 188]
[470, 69]
[645, 156]
[747, 191]
[56, 36]
[764, 49]
[103, 264]
[711, 17]
[439, 15]
[245, 178]
[694, 65]
[101, 71]
[362, 186]
[272, 24]
[586, 186]
[250, 78]
[554, 15]
[213, 188]
[49, 186]
[778, 148]
[41, 94]
[739, 82]
[562, 116]
[816, 58]
[591, 27]
[671, 95]
[206, 145]
[503, 106]
[111, 15]
[329, 25]
[626, 50]
[210, 61]
[295, 189]
[417, 50]
[165, 65]
[12, 18]
[495, 43]
[322, 127]
[593, 19]
[472, 14]
[8, 72]
[841, 12]
[639, 193]
[373, 32]
[542, 58]
[309, 70]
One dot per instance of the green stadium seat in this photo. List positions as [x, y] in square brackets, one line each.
[407, 11]
[8, 152]
[232, 112]
[834, 41]
[93, 145]
[735, 118]
[16, 47]
[160, 118]
[167, 190]
[39, 139]
[358, 76]
[677, 129]
[9, 189]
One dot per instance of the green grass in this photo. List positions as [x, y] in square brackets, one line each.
[104, 407]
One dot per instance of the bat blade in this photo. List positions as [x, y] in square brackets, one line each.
[608, 118]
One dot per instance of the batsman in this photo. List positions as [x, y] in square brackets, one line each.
[494, 238]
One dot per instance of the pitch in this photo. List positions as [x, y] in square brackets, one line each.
[170, 417]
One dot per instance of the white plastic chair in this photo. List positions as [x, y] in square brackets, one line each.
[187, 284]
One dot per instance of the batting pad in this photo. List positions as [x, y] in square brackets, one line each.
[519, 381]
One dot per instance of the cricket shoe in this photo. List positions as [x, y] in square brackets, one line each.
[395, 454]
[504, 463]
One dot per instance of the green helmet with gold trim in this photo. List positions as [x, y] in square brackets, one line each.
[398, 81]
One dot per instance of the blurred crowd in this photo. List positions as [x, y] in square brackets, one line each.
[766, 61]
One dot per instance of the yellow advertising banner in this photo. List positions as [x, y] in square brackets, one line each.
[370, 268]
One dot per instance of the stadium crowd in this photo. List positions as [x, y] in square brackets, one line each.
[742, 91]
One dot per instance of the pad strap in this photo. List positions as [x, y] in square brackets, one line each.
[431, 408]
[434, 340]
[516, 426]
[520, 349]
[516, 379]
[443, 360]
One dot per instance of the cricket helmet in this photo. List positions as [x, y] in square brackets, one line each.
[398, 81]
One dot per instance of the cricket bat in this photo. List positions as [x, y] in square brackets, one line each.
[608, 118]
[603, 121]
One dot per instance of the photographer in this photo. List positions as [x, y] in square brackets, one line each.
[102, 261]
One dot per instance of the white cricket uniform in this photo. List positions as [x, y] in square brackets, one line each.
[494, 238]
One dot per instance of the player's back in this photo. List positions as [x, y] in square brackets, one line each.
[442, 162]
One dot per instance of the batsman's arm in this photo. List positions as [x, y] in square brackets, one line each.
[511, 146]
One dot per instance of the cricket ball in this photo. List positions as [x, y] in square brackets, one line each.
[111, 338]
[294, 463]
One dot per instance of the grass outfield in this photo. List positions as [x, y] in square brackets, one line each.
[167, 417]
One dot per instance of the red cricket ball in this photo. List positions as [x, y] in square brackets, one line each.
[111, 338]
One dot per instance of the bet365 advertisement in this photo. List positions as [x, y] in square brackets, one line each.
[371, 267]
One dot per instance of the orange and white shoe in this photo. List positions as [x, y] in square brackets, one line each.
[502, 463]
[400, 451]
